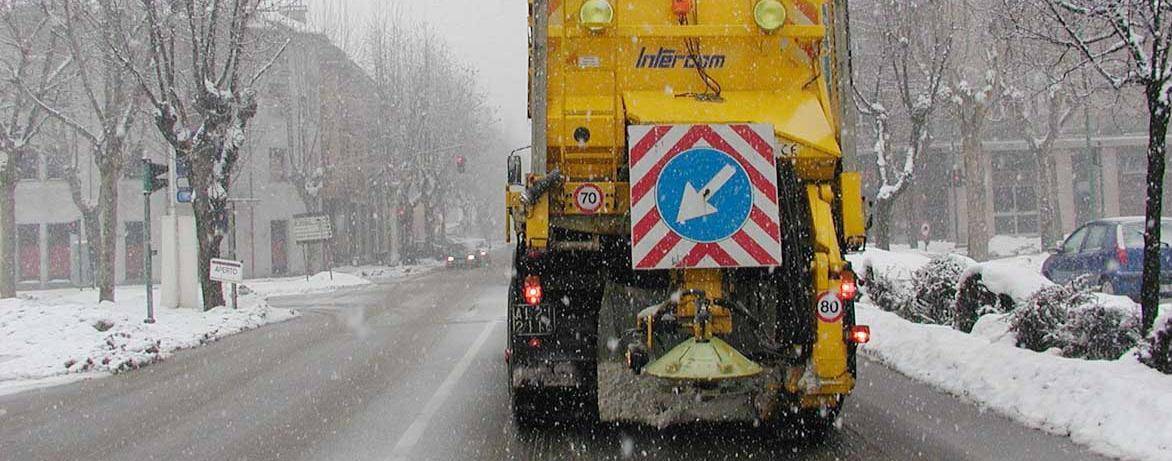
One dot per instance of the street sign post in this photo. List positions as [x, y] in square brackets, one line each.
[228, 271]
[151, 183]
[312, 228]
[704, 196]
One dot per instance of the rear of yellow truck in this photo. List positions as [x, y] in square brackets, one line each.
[681, 231]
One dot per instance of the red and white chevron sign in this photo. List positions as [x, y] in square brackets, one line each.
[704, 196]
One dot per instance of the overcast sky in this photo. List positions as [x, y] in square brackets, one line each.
[489, 35]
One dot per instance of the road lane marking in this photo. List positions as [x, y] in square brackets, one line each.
[411, 437]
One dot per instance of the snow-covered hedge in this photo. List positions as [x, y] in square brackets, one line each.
[883, 291]
[996, 287]
[974, 299]
[1078, 322]
[933, 289]
[1157, 350]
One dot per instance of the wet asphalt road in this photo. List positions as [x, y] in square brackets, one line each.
[413, 369]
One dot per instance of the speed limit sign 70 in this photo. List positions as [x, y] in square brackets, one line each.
[830, 307]
[589, 198]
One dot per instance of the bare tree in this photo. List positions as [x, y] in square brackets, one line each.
[106, 117]
[205, 57]
[1127, 42]
[975, 90]
[915, 53]
[29, 52]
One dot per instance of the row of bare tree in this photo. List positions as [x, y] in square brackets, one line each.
[110, 69]
[1024, 67]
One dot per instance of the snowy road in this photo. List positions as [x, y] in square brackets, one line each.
[413, 370]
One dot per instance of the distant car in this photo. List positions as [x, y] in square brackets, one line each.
[1110, 251]
[468, 257]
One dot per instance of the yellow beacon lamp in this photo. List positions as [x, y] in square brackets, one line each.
[596, 14]
[770, 14]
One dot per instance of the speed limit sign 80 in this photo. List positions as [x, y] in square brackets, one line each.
[830, 307]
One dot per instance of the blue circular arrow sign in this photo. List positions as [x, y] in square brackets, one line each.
[704, 195]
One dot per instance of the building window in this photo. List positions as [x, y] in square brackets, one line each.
[134, 251]
[28, 169]
[60, 257]
[56, 164]
[1133, 177]
[28, 246]
[1015, 199]
[280, 246]
[278, 164]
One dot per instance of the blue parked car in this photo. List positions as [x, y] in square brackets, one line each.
[1111, 250]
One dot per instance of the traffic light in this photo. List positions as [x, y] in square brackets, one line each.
[153, 177]
[460, 163]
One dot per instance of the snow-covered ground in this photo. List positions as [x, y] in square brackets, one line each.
[1120, 408]
[383, 273]
[47, 334]
[57, 336]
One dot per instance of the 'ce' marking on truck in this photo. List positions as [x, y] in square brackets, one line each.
[789, 150]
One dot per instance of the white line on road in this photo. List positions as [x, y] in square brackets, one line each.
[419, 426]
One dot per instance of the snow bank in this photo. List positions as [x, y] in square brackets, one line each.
[1118, 408]
[1019, 277]
[895, 265]
[324, 282]
[53, 333]
[383, 273]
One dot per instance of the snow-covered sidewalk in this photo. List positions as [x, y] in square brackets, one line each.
[1119, 408]
[46, 334]
[56, 336]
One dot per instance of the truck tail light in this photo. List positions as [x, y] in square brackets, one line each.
[860, 334]
[848, 286]
[532, 290]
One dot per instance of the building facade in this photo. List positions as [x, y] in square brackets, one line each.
[1098, 177]
[300, 100]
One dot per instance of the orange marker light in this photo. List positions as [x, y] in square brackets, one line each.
[532, 290]
[848, 287]
[860, 334]
[681, 7]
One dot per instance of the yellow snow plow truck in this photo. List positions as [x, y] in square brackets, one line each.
[681, 233]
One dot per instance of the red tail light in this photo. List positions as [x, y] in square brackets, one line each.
[532, 290]
[860, 334]
[535, 342]
[848, 287]
[1121, 256]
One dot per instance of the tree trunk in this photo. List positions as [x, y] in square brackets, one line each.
[209, 248]
[1049, 218]
[207, 214]
[1157, 146]
[882, 219]
[93, 231]
[8, 229]
[108, 246]
[977, 210]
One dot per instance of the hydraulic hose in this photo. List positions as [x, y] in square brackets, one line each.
[540, 187]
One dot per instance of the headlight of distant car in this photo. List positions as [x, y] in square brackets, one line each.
[451, 258]
[471, 257]
[483, 253]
